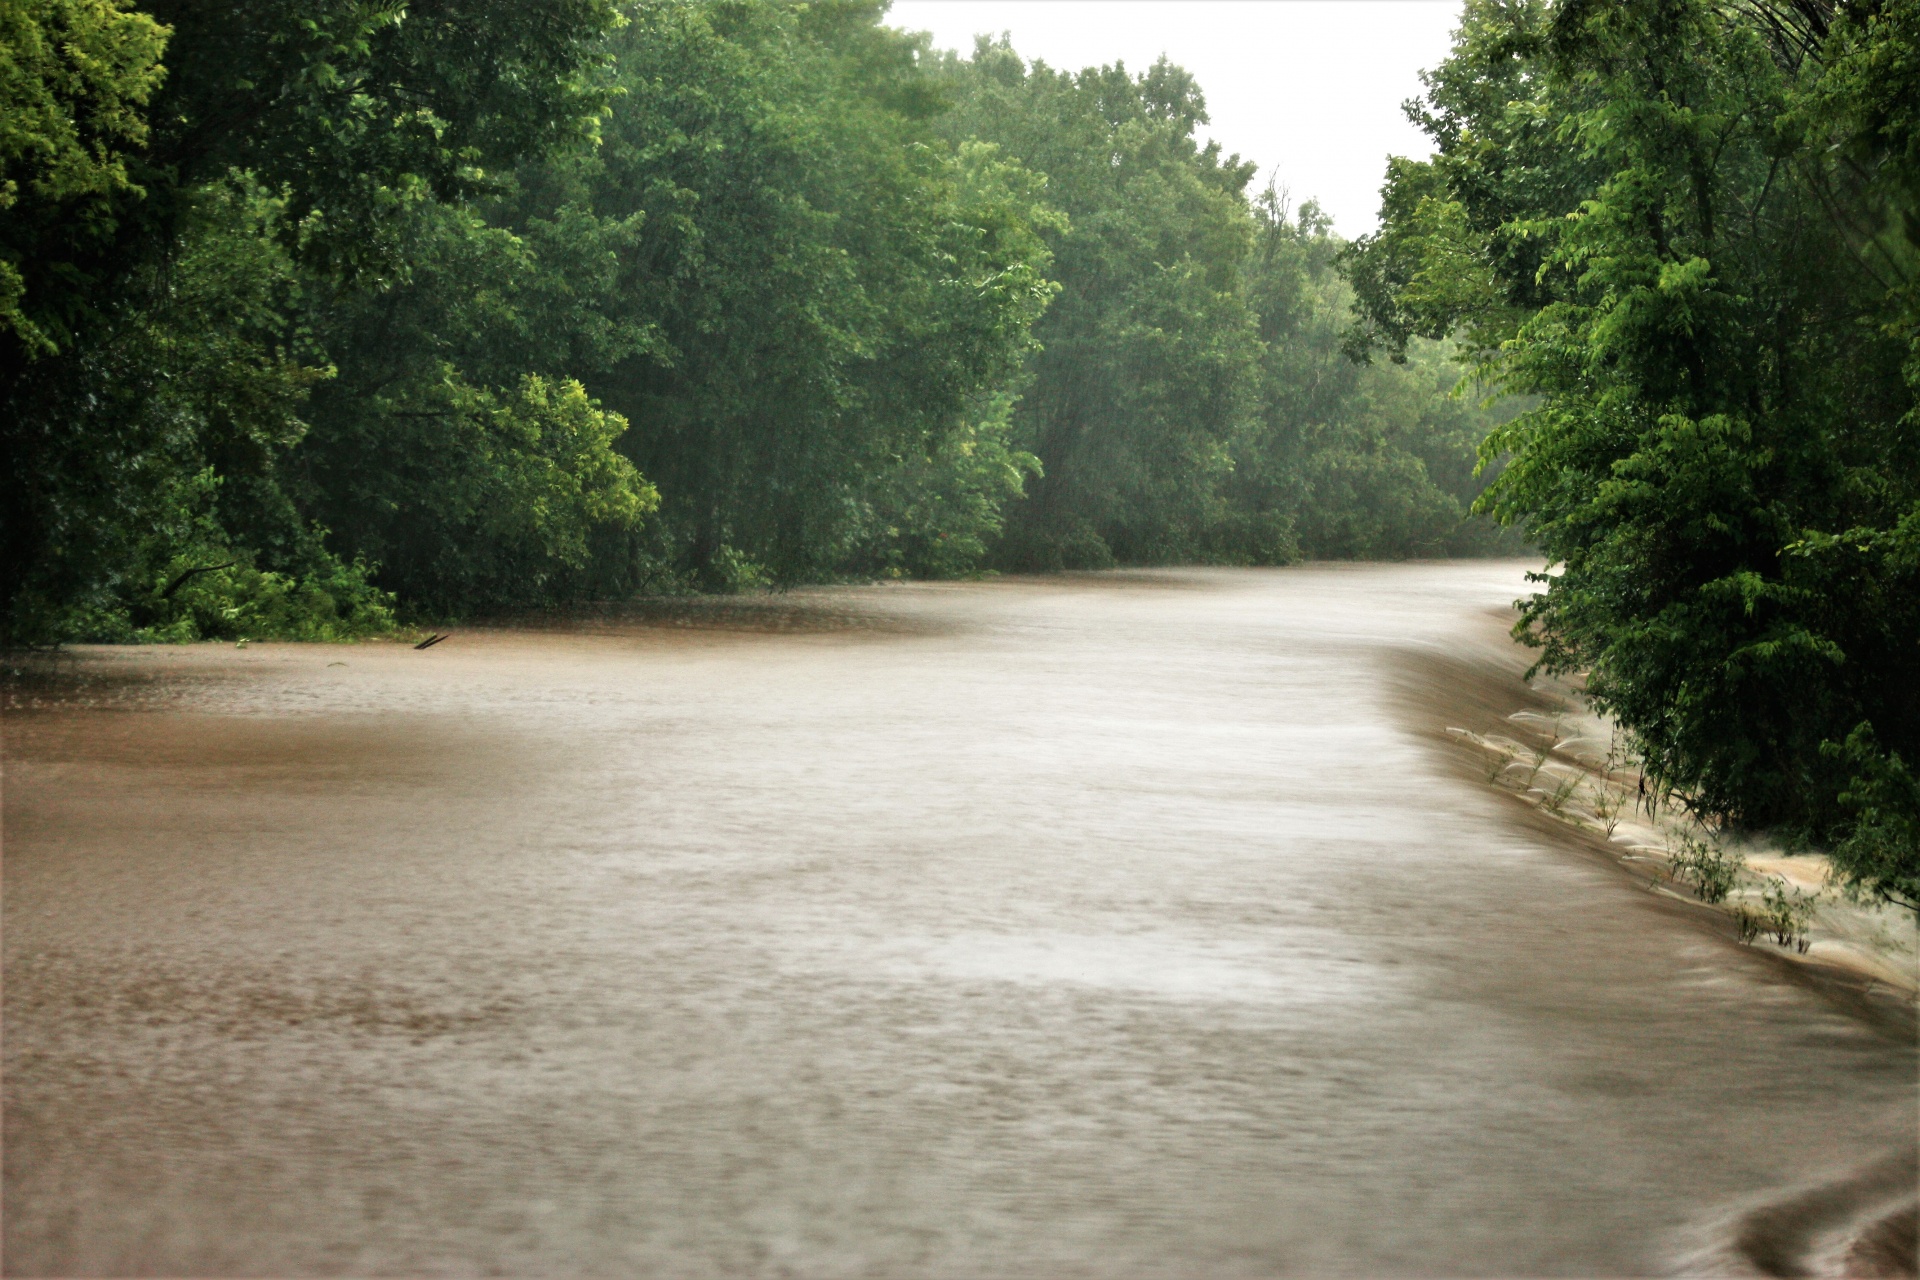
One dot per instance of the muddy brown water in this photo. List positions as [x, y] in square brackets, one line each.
[1112, 925]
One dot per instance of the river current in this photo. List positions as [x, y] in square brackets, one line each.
[1103, 925]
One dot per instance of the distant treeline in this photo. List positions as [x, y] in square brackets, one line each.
[318, 312]
[1691, 228]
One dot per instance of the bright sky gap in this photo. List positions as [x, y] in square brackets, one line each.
[1308, 89]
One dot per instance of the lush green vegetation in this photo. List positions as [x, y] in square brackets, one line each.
[314, 315]
[1692, 230]
[319, 315]
[1189, 399]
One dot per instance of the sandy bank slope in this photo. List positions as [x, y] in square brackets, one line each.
[1573, 780]
[1541, 744]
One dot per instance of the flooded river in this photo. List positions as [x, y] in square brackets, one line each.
[1125, 924]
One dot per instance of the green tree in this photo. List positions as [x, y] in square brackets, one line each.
[835, 299]
[344, 116]
[1688, 229]
[1147, 362]
[75, 77]
[456, 448]
[204, 375]
[1346, 459]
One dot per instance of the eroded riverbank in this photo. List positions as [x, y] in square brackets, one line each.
[1542, 744]
[1107, 925]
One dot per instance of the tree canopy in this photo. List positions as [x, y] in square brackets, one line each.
[1689, 229]
[315, 316]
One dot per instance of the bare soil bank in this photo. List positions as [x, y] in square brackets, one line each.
[1539, 743]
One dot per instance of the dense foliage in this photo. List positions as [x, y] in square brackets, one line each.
[837, 299]
[174, 289]
[1189, 399]
[318, 315]
[1349, 460]
[1691, 229]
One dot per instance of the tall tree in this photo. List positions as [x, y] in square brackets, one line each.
[1146, 368]
[1347, 459]
[335, 115]
[834, 299]
[1688, 227]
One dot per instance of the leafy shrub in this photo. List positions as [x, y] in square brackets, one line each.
[1787, 911]
[1712, 870]
[1880, 850]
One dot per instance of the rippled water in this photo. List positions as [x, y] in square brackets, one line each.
[1106, 925]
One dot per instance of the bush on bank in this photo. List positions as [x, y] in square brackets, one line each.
[1692, 231]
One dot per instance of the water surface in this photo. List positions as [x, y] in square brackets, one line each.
[1107, 925]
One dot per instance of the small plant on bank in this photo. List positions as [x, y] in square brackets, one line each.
[1749, 922]
[1618, 755]
[1556, 802]
[1500, 758]
[1786, 913]
[1607, 804]
[1540, 755]
[1711, 870]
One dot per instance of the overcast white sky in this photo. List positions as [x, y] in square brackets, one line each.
[1309, 89]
